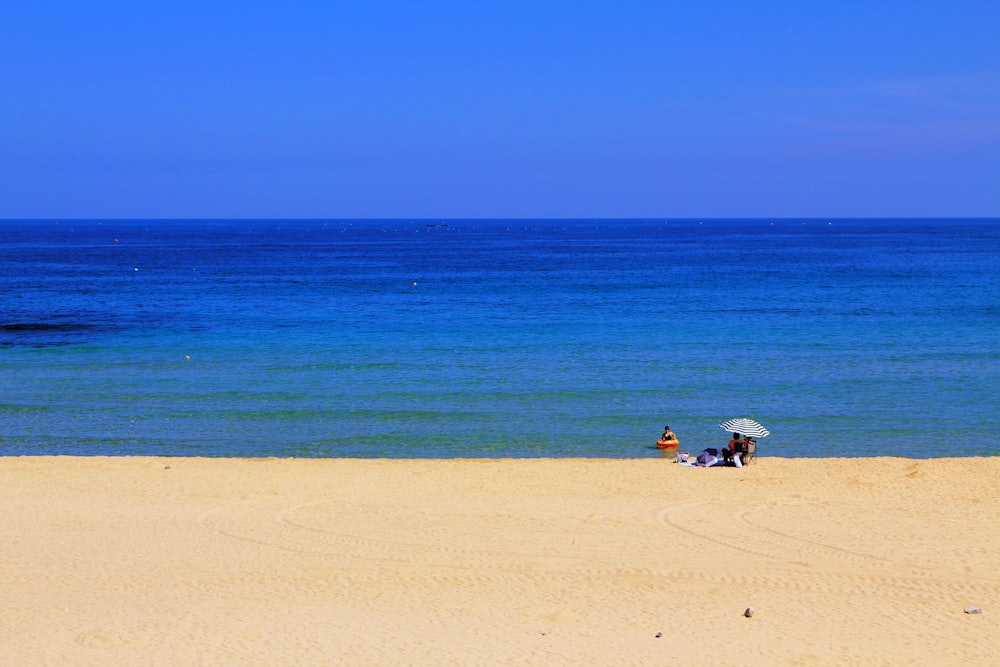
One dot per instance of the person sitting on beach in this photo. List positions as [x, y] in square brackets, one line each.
[735, 447]
[668, 439]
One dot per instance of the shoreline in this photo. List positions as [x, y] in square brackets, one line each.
[668, 457]
[119, 560]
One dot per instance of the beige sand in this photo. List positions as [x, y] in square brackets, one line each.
[135, 561]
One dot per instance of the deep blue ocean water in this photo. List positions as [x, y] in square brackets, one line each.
[506, 338]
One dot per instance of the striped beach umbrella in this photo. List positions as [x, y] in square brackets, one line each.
[746, 427]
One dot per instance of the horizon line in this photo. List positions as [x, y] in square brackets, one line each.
[488, 218]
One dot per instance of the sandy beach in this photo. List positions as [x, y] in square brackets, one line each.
[188, 561]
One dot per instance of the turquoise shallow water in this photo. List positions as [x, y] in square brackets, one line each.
[498, 338]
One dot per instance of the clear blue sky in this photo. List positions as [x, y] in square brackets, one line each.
[499, 109]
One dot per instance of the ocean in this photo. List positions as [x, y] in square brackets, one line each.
[498, 338]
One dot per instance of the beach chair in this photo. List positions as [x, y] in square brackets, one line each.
[749, 451]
